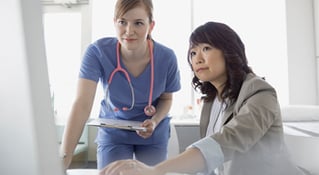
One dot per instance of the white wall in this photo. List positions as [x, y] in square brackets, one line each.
[302, 64]
[316, 20]
[27, 133]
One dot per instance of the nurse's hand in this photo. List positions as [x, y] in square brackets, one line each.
[128, 167]
[150, 126]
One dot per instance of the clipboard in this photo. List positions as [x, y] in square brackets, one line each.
[116, 123]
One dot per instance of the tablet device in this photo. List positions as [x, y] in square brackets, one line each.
[116, 123]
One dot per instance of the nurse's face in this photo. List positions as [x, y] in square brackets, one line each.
[208, 64]
[133, 28]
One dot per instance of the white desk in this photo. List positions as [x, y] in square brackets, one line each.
[302, 128]
[94, 172]
[297, 128]
[82, 172]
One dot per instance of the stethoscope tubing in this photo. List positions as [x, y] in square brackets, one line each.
[149, 110]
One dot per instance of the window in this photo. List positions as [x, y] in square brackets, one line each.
[64, 44]
[69, 30]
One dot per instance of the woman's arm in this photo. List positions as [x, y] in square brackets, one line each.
[79, 114]
[190, 161]
[162, 108]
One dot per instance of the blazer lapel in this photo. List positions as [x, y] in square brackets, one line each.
[228, 114]
[204, 118]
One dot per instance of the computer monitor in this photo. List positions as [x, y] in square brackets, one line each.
[28, 138]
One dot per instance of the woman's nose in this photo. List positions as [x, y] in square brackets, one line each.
[129, 29]
[198, 59]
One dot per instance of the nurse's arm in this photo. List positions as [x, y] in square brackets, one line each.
[163, 107]
[79, 114]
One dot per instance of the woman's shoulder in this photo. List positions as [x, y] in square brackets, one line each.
[162, 48]
[101, 47]
[106, 44]
[253, 79]
[165, 54]
[105, 41]
[254, 83]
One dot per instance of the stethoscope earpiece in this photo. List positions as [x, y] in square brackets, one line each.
[149, 110]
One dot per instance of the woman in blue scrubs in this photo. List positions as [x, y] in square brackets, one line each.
[150, 67]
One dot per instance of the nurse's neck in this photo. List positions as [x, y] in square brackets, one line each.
[138, 53]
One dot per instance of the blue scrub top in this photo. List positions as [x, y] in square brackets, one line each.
[98, 63]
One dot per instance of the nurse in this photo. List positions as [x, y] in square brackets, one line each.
[139, 77]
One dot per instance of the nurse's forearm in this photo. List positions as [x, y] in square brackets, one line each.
[73, 130]
[191, 161]
[163, 107]
[78, 116]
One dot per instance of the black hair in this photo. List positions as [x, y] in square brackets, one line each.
[224, 38]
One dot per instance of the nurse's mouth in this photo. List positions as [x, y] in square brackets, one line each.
[129, 40]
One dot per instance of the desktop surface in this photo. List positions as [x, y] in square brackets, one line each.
[82, 172]
[94, 172]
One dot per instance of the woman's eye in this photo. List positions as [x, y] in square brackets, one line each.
[121, 22]
[139, 23]
[206, 48]
[191, 54]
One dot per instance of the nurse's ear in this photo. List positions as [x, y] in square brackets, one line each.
[152, 24]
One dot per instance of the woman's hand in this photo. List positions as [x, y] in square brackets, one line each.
[128, 167]
[67, 159]
[150, 126]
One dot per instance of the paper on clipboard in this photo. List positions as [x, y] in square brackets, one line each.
[116, 123]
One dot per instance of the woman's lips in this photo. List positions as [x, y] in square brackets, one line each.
[201, 69]
[129, 39]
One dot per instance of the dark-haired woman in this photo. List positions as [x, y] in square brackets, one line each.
[241, 125]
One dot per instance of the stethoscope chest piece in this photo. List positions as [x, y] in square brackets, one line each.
[149, 110]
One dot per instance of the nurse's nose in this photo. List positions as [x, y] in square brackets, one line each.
[129, 29]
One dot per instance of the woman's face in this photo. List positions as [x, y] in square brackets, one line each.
[133, 28]
[208, 64]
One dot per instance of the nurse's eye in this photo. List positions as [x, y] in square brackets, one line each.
[139, 23]
[122, 22]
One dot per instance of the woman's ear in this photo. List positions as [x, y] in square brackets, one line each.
[151, 27]
[152, 24]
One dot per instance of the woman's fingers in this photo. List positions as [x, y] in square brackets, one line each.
[149, 125]
[121, 167]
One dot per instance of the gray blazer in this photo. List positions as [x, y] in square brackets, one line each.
[252, 134]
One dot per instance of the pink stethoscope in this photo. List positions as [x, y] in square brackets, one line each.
[149, 110]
